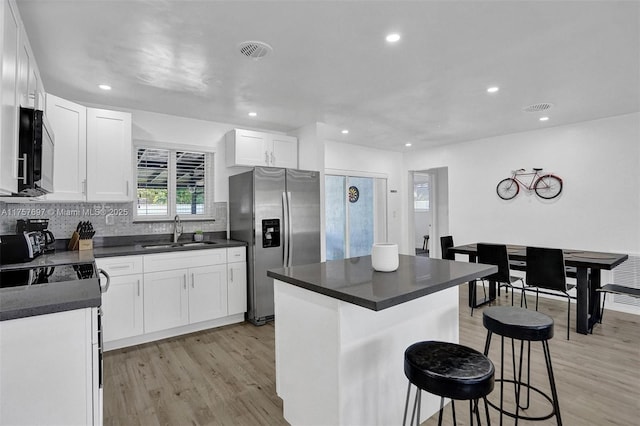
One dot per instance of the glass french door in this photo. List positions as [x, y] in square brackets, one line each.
[355, 212]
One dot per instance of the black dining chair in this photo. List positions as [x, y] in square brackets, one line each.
[546, 271]
[616, 289]
[446, 243]
[496, 254]
[425, 244]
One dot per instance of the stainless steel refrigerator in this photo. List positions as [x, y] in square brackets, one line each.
[277, 212]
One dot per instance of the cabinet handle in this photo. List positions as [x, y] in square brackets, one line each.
[273, 159]
[193, 281]
[24, 168]
[266, 158]
[185, 281]
[84, 186]
[231, 274]
[119, 267]
[138, 288]
[127, 182]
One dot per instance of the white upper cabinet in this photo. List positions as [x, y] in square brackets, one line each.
[20, 86]
[251, 148]
[92, 155]
[9, 50]
[109, 165]
[284, 151]
[69, 122]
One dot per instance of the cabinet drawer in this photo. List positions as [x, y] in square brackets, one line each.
[236, 254]
[120, 265]
[184, 259]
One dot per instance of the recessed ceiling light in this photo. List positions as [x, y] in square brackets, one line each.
[544, 118]
[392, 38]
[345, 131]
[104, 87]
[407, 144]
[253, 114]
[493, 89]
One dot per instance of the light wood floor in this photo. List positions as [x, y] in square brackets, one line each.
[226, 376]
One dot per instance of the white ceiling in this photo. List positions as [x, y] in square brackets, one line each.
[331, 63]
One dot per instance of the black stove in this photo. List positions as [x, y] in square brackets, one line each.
[46, 274]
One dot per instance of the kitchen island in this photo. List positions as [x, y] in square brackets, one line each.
[342, 328]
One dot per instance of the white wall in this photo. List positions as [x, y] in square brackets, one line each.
[599, 208]
[379, 163]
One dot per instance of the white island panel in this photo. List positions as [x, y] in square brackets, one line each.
[341, 364]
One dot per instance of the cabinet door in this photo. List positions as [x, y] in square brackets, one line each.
[24, 64]
[9, 108]
[247, 148]
[284, 151]
[46, 369]
[166, 300]
[122, 307]
[208, 293]
[109, 166]
[69, 123]
[237, 288]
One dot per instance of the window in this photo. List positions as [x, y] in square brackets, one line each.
[171, 182]
[421, 195]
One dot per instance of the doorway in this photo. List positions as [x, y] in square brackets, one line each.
[422, 217]
[355, 215]
[428, 210]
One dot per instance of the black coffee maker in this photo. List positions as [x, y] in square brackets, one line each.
[38, 225]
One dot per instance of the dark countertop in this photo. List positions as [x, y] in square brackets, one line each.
[138, 249]
[354, 280]
[40, 299]
[65, 257]
[25, 301]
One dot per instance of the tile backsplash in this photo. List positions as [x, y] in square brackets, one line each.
[64, 217]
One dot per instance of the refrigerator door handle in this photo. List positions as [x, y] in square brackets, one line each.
[290, 230]
[285, 229]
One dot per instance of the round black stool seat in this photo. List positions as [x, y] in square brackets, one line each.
[518, 323]
[449, 370]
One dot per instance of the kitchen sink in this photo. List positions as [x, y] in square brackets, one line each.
[177, 245]
[197, 243]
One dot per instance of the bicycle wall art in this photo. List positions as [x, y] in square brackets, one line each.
[547, 186]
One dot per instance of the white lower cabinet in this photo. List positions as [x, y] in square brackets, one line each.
[166, 300]
[122, 308]
[184, 296]
[207, 293]
[236, 280]
[166, 294]
[122, 303]
[50, 372]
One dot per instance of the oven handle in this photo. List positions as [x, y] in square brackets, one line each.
[106, 287]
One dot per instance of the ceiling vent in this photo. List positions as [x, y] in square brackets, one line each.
[255, 49]
[542, 106]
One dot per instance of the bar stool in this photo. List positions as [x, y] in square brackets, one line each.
[449, 371]
[521, 324]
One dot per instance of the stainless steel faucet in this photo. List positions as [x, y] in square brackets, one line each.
[177, 228]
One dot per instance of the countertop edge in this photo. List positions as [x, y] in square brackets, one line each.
[48, 300]
[138, 250]
[381, 304]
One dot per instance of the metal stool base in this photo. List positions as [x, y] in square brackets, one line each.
[533, 388]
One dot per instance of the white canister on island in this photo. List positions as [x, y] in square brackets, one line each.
[384, 257]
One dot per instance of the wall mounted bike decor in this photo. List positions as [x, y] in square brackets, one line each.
[546, 186]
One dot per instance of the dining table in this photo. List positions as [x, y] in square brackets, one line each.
[588, 266]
